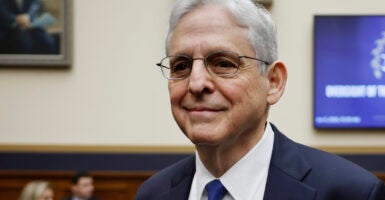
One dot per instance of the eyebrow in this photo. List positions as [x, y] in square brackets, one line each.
[205, 51]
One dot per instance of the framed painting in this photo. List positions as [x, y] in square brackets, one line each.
[35, 33]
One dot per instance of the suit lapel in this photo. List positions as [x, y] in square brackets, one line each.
[181, 183]
[287, 171]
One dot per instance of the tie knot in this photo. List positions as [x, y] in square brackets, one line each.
[215, 190]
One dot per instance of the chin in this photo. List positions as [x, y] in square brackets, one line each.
[204, 139]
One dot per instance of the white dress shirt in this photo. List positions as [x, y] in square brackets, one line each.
[246, 179]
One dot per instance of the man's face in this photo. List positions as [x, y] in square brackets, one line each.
[213, 110]
[84, 188]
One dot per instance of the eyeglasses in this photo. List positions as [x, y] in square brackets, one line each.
[219, 63]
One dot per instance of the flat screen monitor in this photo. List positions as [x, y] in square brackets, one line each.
[349, 72]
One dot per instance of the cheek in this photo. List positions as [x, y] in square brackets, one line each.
[247, 91]
[255, 91]
[176, 91]
[236, 91]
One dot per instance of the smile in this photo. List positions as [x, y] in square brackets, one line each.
[199, 113]
[203, 110]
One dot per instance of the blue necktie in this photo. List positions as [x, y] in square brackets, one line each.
[215, 190]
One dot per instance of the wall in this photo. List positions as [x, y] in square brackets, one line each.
[295, 28]
[115, 95]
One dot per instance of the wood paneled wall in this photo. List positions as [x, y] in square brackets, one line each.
[108, 185]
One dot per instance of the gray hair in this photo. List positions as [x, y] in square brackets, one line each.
[262, 31]
[34, 189]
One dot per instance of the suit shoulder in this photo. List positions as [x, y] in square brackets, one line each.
[163, 180]
[332, 176]
[324, 161]
[323, 164]
[173, 170]
[334, 173]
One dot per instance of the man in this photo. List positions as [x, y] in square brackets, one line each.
[224, 75]
[82, 187]
[17, 33]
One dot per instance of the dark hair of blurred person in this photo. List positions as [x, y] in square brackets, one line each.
[82, 187]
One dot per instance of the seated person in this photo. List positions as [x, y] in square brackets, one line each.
[19, 31]
[82, 187]
[37, 190]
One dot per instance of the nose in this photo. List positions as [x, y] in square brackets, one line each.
[200, 80]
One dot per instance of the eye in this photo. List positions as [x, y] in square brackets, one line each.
[223, 60]
[180, 66]
[223, 63]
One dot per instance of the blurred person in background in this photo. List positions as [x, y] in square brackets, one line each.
[37, 190]
[82, 187]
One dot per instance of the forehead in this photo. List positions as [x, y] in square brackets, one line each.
[85, 179]
[208, 28]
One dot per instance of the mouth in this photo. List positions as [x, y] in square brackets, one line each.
[203, 113]
[203, 109]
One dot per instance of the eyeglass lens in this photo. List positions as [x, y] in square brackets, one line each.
[221, 63]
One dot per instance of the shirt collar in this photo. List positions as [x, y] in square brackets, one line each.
[237, 179]
[77, 198]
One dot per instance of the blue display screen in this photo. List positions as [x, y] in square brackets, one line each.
[349, 72]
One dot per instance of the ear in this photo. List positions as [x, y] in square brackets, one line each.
[277, 76]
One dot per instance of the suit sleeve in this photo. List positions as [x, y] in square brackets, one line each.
[7, 17]
[34, 8]
[378, 191]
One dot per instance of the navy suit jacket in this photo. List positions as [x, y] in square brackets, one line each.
[297, 172]
[9, 9]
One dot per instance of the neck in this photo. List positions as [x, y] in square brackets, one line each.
[220, 158]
